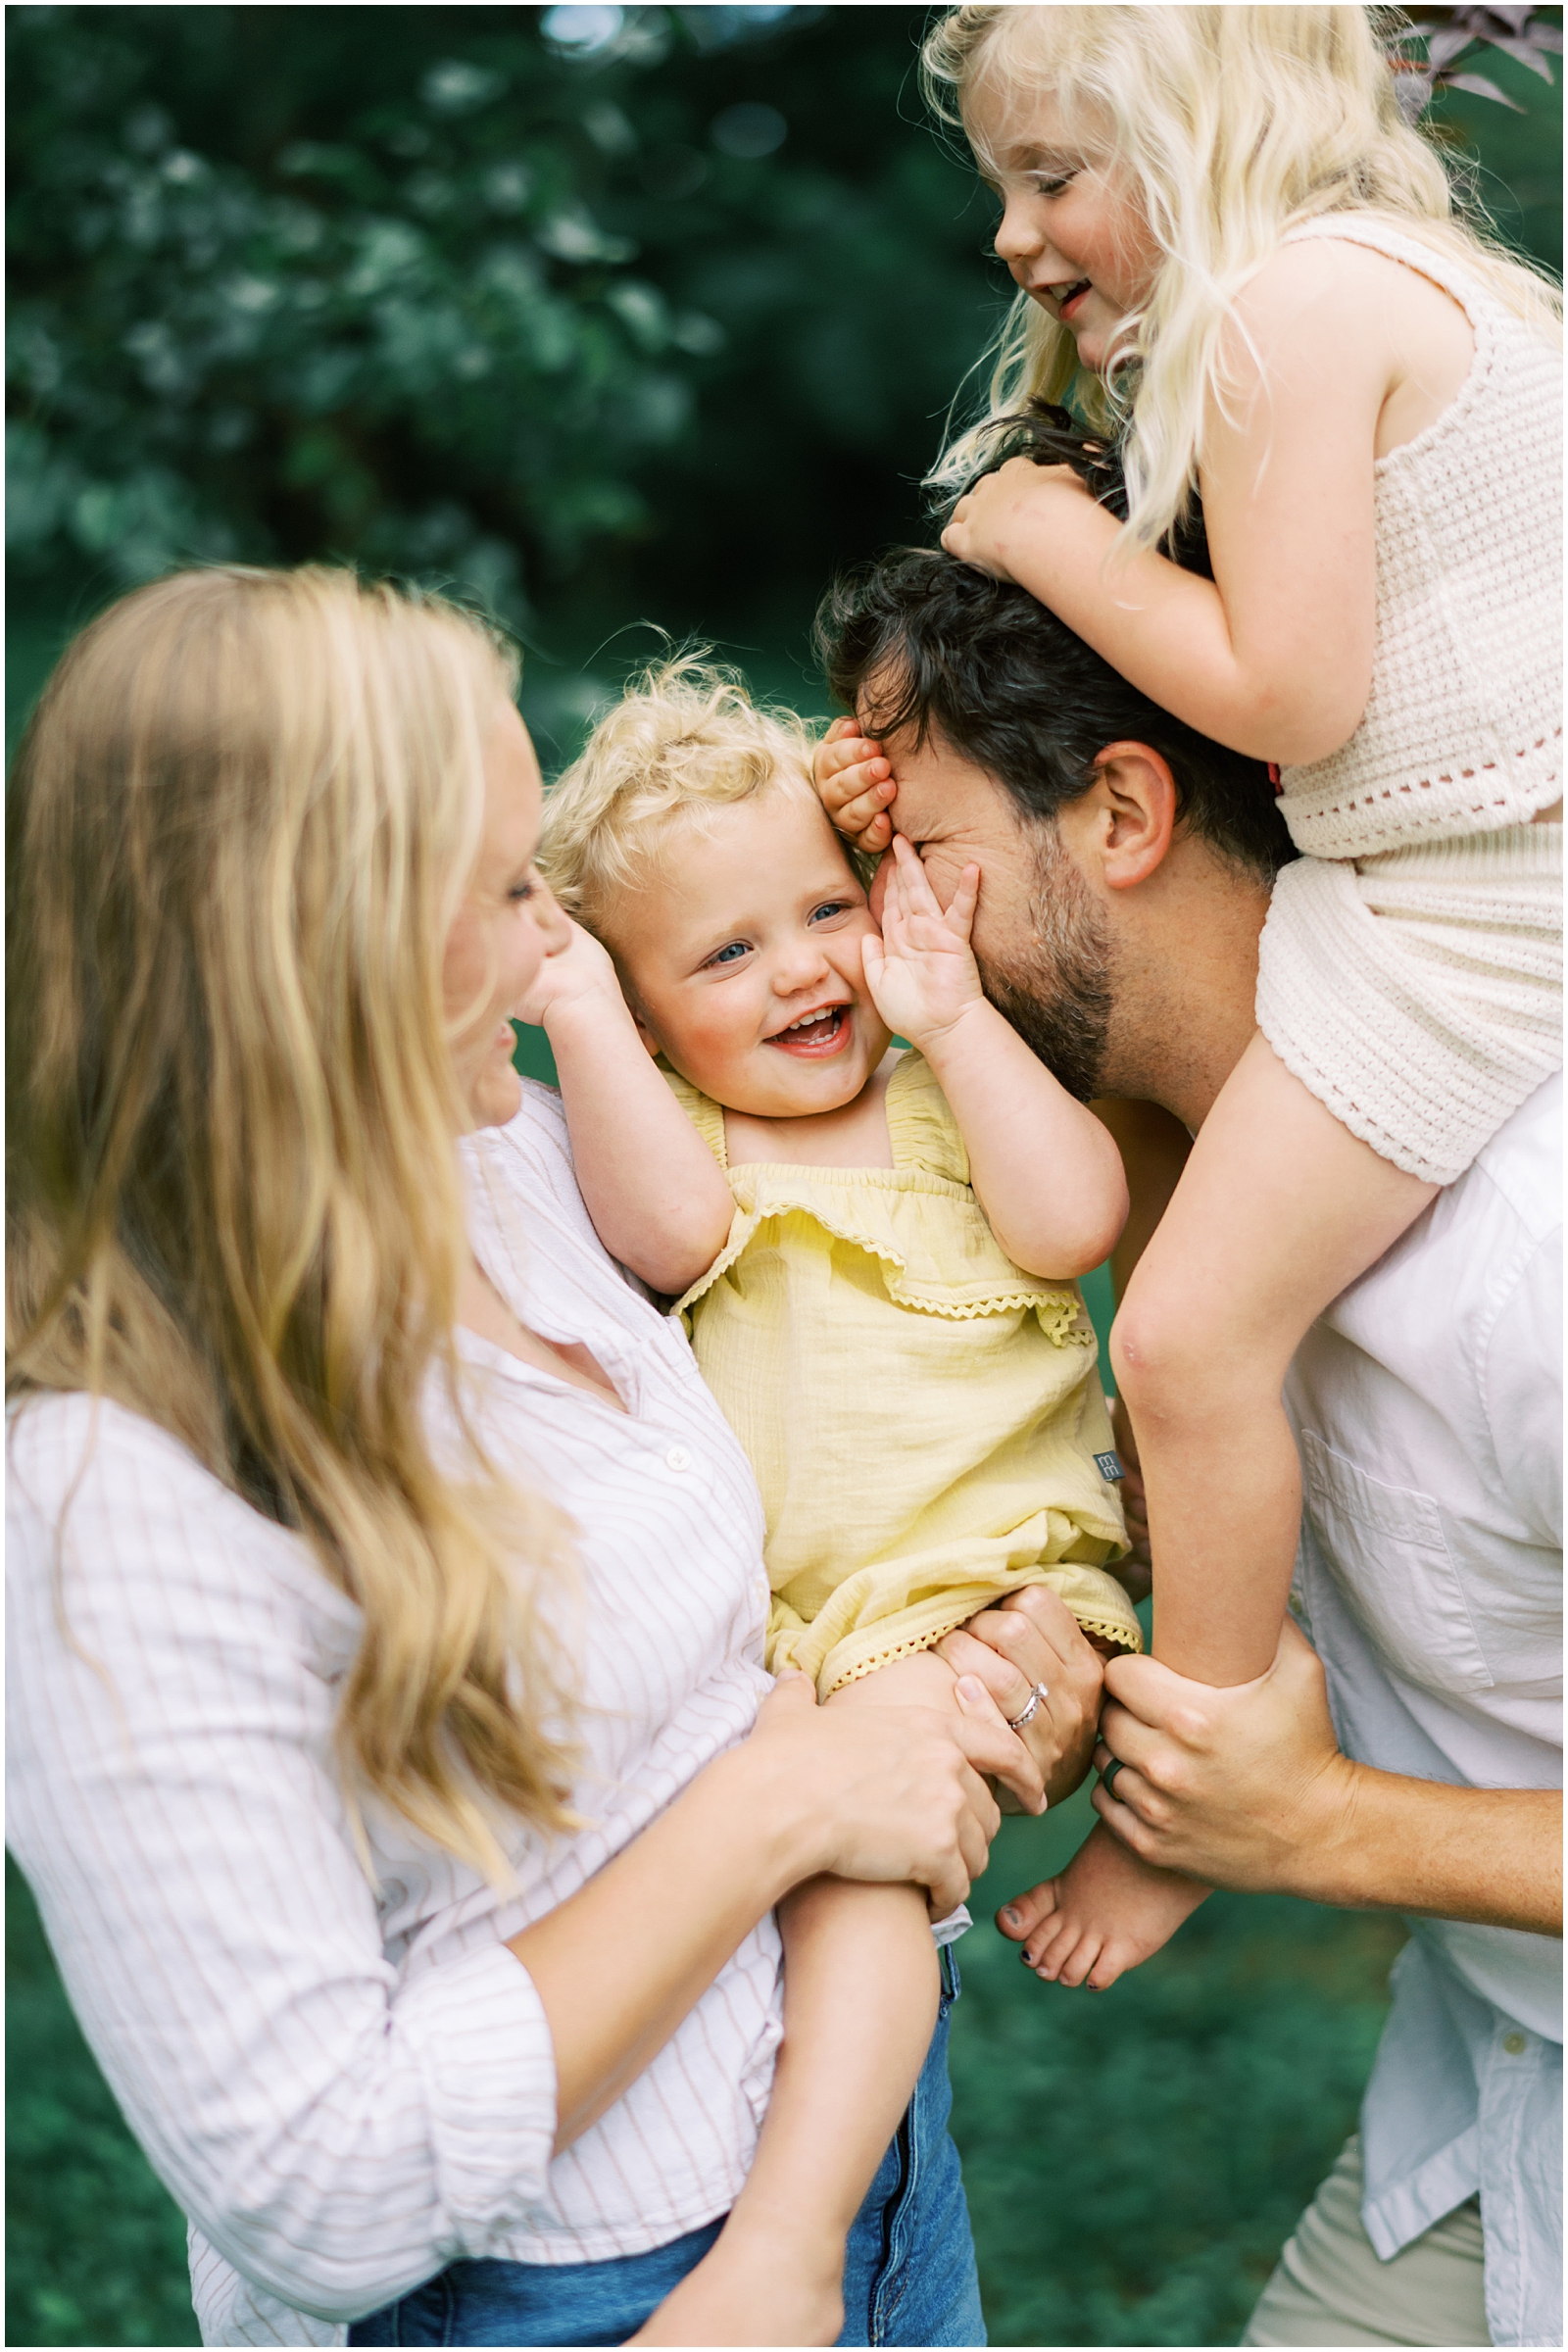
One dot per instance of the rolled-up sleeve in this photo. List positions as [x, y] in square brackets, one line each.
[336, 2128]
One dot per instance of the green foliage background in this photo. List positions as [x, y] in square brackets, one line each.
[652, 322]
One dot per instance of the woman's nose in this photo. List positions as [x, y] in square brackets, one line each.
[548, 919]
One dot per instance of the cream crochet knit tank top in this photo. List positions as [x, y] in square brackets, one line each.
[1463, 731]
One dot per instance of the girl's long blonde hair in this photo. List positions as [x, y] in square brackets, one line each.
[1232, 125]
[238, 830]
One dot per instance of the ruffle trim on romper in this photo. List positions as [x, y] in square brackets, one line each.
[877, 1210]
[868, 1221]
[1095, 1598]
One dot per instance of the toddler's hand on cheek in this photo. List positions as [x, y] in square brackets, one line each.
[921, 972]
[578, 974]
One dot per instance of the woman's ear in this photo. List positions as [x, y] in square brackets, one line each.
[1134, 801]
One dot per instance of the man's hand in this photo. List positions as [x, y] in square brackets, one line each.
[855, 784]
[1032, 1638]
[994, 524]
[1246, 1787]
[921, 972]
[1242, 1786]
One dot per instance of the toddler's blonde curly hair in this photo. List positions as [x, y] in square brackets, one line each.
[684, 740]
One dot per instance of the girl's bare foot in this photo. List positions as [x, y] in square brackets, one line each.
[1105, 1914]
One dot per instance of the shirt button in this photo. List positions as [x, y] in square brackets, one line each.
[678, 1458]
[1513, 2044]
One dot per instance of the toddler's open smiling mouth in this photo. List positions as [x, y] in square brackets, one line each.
[815, 1036]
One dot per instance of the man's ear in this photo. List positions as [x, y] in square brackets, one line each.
[1131, 809]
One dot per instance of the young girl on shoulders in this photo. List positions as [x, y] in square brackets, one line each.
[1237, 255]
[875, 1254]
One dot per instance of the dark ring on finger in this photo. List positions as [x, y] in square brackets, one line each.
[1107, 1779]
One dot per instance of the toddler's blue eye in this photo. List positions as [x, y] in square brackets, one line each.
[728, 953]
[828, 906]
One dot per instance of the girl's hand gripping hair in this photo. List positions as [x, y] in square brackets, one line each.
[854, 785]
[1009, 512]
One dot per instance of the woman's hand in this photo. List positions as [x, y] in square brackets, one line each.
[922, 971]
[891, 1793]
[1034, 1637]
[855, 784]
[993, 524]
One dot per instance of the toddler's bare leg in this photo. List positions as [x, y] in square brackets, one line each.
[860, 1988]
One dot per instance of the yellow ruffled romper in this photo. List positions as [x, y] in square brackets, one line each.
[923, 1417]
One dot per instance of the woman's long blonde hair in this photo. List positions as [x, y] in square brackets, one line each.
[238, 830]
[1232, 125]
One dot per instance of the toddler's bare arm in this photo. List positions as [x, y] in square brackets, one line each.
[658, 1198]
[1044, 1168]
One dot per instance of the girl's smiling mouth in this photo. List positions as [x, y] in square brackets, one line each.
[816, 1036]
[1067, 298]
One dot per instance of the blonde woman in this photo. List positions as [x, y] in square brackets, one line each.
[1227, 238]
[391, 1752]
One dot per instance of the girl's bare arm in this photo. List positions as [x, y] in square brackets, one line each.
[1274, 656]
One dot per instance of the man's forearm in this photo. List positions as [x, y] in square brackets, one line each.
[1489, 1855]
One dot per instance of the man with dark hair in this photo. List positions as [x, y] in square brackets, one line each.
[1409, 1759]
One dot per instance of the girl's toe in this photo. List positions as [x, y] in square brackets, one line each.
[1019, 1919]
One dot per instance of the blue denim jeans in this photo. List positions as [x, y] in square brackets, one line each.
[909, 2270]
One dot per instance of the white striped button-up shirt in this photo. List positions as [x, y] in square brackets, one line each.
[347, 2084]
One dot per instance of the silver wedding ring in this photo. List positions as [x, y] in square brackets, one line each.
[1015, 1723]
[1107, 1779]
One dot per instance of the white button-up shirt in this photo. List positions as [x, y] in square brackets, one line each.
[349, 2082]
[1428, 1408]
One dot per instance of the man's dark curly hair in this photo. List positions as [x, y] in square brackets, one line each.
[917, 640]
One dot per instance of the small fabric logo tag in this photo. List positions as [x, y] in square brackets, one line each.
[1110, 1466]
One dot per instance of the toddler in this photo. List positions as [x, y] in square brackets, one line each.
[1237, 256]
[874, 1252]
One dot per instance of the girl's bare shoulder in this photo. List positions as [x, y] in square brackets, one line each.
[1327, 307]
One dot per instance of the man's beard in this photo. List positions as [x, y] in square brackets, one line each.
[1061, 1005]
